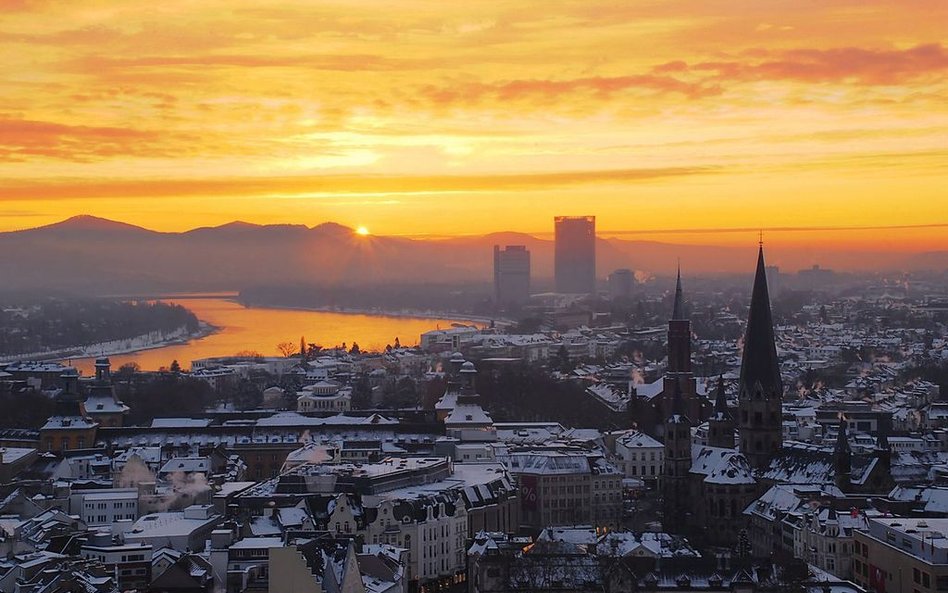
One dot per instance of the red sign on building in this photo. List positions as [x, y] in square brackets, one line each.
[528, 493]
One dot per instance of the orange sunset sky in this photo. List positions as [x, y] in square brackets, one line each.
[440, 118]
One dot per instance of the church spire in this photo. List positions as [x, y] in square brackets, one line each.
[720, 401]
[760, 371]
[678, 312]
[760, 392]
[679, 334]
[721, 422]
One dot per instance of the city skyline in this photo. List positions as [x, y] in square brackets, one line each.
[697, 117]
[510, 296]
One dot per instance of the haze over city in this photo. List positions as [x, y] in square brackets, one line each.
[504, 296]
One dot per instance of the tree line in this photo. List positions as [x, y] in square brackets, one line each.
[59, 323]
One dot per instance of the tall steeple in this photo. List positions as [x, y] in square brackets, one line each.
[679, 335]
[760, 370]
[678, 373]
[678, 312]
[760, 391]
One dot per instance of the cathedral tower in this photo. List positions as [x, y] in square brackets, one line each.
[760, 394]
[679, 336]
[678, 375]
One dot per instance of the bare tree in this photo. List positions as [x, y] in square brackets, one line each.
[287, 349]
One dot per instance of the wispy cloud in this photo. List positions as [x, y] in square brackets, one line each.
[22, 139]
[329, 185]
[848, 65]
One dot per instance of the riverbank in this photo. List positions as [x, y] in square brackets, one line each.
[266, 329]
[141, 343]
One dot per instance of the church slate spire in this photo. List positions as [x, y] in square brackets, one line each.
[721, 423]
[678, 311]
[760, 370]
[760, 392]
[679, 335]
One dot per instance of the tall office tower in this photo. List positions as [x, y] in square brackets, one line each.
[575, 254]
[511, 274]
[621, 283]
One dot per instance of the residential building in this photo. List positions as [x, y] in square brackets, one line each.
[908, 555]
[129, 563]
[566, 488]
[642, 457]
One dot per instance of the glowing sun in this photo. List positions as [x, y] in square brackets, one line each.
[362, 231]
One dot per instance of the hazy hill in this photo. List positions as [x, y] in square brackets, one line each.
[93, 255]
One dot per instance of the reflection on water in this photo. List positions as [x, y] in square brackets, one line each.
[257, 329]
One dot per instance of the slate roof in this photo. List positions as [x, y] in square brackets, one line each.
[800, 463]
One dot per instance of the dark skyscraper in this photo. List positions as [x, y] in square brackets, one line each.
[575, 257]
[511, 274]
[621, 283]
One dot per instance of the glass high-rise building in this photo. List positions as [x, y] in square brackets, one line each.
[511, 274]
[575, 254]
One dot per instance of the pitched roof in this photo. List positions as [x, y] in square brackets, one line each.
[721, 466]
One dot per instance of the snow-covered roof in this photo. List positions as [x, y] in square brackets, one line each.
[467, 414]
[180, 423]
[186, 465]
[637, 439]
[721, 466]
[69, 423]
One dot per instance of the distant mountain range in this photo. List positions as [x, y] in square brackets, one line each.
[91, 255]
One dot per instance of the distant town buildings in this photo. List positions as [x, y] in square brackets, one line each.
[511, 275]
[575, 254]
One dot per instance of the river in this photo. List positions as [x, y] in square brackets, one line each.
[261, 329]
